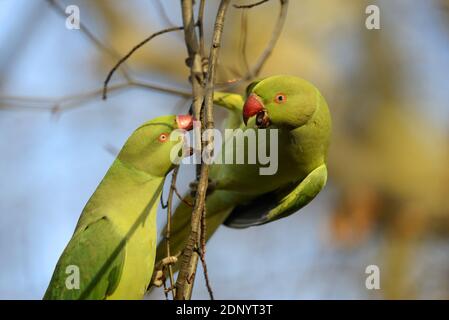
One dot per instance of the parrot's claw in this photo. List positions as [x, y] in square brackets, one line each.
[159, 275]
[167, 261]
[159, 278]
[211, 185]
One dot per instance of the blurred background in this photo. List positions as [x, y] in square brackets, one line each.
[386, 201]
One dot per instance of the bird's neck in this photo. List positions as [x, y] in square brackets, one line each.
[311, 141]
[125, 195]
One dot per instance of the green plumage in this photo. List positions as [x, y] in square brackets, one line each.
[114, 242]
[242, 197]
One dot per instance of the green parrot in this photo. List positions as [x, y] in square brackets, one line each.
[240, 196]
[113, 248]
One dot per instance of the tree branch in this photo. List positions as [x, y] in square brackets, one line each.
[202, 254]
[56, 105]
[255, 70]
[249, 6]
[194, 62]
[129, 54]
[243, 40]
[168, 229]
[65, 103]
[201, 27]
[194, 59]
[189, 260]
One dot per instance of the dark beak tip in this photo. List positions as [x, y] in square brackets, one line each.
[252, 106]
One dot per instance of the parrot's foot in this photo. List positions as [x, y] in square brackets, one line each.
[159, 276]
[211, 185]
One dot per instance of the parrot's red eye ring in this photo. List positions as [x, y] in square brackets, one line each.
[163, 137]
[280, 98]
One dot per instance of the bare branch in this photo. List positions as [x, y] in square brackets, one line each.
[56, 105]
[249, 6]
[159, 88]
[187, 203]
[166, 290]
[243, 40]
[167, 230]
[189, 260]
[202, 254]
[194, 62]
[200, 23]
[257, 68]
[194, 59]
[134, 49]
[254, 72]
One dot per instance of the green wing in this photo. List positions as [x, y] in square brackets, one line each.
[276, 205]
[99, 253]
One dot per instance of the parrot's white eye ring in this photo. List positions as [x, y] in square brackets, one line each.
[280, 98]
[163, 137]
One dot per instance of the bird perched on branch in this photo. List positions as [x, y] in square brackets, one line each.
[241, 197]
[112, 251]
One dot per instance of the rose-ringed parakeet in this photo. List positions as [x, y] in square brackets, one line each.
[241, 197]
[114, 243]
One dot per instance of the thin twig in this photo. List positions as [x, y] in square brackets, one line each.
[134, 49]
[189, 260]
[56, 105]
[257, 68]
[200, 24]
[165, 17]
[194, 59]
[243, 40]
[165, 289]
[151, 86]
[249, 6]
[182, 199]
[194, 62]
[53, 105]
[167, 230]
[65, 103]
[203, 254]
[254, 72]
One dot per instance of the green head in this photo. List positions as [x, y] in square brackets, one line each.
[150, 147]
[284, 101]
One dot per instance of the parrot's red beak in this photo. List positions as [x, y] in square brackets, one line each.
[253, 105]
[184, 121]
